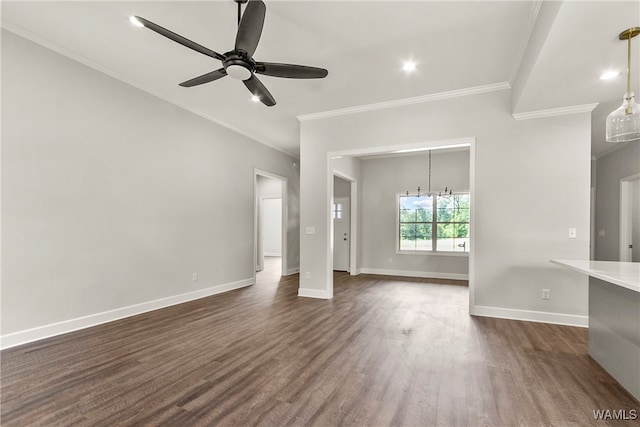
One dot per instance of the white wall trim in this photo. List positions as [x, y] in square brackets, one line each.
[407, 101]
[402, 148]
[530, 316]
[292, 271]
[526, 36]
[552, 112]
[59, 328]
[611, 149]
[409, 273]
[313, 293]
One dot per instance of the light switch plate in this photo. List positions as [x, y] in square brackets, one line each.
[310, 230]
[572, 233]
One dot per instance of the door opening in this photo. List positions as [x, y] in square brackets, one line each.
[270, 223]
[341, 233]
[630, 219]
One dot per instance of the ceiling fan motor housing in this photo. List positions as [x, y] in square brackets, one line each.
[238, 65]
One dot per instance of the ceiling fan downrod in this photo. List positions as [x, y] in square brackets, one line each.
[240, 3]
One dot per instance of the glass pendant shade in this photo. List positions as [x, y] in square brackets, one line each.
[624, 123]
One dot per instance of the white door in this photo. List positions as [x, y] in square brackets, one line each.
[341, 234]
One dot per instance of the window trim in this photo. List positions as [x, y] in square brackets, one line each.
[434, 223]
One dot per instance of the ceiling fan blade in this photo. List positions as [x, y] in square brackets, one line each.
[290, 71]
[205, 78]
[256, 87]
[250, 27]
[179, 39]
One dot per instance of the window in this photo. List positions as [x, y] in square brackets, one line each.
[337, 211]
[433, 223]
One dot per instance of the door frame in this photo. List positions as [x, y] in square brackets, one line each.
[353, 224]
[429, 145]
[626, 199]
[284, 181]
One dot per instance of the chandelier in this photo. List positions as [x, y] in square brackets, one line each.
[446, 192]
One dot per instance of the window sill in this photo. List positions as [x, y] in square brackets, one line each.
[430, 253]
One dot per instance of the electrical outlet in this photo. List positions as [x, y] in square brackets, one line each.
[546, 294]
[601, 233]
[195, 277]
[307, 275]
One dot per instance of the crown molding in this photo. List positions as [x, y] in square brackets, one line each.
[406, 101]
[526, 36]
[613, 147]
[552, 112]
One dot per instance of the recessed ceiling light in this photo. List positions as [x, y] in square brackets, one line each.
[609, 75]
[409, 66]
[255, 98]
[135, 21]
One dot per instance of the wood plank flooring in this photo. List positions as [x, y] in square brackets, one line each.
[384, 351]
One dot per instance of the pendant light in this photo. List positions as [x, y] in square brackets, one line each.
[624, 123]
[447, 191]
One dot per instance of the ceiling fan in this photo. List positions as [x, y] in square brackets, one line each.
[239, 63]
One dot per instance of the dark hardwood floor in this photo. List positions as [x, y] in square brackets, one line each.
[384, 351]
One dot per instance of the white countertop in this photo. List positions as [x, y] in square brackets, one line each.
[625, 274]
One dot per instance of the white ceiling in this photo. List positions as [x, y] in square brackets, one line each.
[457, 45]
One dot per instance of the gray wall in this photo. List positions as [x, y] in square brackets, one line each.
[112, 197]
[382, 180]
[616, 165]
[531, 185]
[269, 187]
[341, 188]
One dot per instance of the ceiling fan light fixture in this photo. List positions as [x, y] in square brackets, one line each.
[135, 21]
[623, 124]
[238, 72]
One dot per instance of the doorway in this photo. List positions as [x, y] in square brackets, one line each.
[630, 218]
[341, 233]
[270, 223]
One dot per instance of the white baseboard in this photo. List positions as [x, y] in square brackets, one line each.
[59, 328]
[273, 254]
[291, 271]
[313, 293]
[530, 316]
[409, 273]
